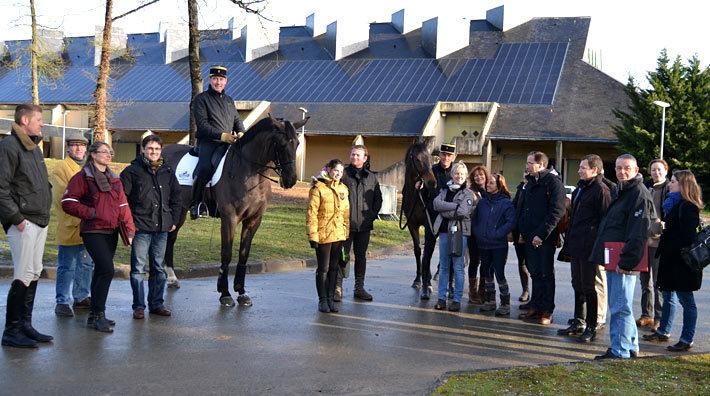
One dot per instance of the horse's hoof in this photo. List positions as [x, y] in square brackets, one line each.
[173, 284]
[226, 301]
[244, 300]
[417, 284]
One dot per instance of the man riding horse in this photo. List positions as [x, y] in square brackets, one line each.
[218, 125]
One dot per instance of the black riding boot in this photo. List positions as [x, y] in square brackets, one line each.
[198, 208]
[101, 323]
[28, 306]
[330, 290]
[321, 289]
[13, 335]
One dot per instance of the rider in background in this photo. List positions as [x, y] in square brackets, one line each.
[218, 124]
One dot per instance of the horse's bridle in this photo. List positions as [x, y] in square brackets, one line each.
[278, 164]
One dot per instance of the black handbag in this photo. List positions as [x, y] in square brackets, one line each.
[697, 255]
[455, 238]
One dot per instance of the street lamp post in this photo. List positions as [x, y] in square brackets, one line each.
[302, 144]
[663, 121]
[64, 132]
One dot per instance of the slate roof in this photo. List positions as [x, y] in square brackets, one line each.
[534, 71]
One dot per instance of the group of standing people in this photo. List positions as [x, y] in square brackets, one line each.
[343, 203]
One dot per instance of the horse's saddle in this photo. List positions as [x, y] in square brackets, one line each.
[186, 166]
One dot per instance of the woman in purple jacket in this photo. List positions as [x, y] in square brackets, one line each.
[493, 219]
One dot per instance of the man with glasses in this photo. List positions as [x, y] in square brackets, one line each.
[74, 265]
[627, 220]
[218, 125]
[25, 202]
[542, 207]
[153, 195]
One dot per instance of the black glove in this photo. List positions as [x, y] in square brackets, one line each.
[314, 244]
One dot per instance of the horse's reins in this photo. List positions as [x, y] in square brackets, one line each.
[278, 168]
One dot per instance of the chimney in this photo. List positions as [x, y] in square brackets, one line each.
[51, 41]
[117, 45]
[494, 16]
[176, 37]
[254, 45]
[439, 41]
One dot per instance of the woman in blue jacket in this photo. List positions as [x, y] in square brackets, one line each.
[493, 219]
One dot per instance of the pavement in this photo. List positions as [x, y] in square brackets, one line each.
[283, 345]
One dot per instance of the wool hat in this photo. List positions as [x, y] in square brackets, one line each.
[76, 137]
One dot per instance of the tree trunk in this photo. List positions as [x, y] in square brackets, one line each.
[34, 53]
[194, 56]
[100, 131]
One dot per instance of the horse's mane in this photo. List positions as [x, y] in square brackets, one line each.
[265, 124]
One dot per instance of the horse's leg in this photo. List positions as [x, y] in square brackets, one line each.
[249, 227]
[170, 253]
[414, 232]
[228, 224]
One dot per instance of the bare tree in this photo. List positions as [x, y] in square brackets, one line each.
[34, 53]
[100, 94]
[193, 48]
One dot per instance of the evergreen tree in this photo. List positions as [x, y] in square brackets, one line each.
[687, 137]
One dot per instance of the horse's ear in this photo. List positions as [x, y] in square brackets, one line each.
[301, 123]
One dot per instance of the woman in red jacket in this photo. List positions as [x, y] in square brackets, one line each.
[95, 195]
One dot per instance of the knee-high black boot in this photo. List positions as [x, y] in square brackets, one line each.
[330, 290]
[321, 289]
[13, 335]
[28, 306]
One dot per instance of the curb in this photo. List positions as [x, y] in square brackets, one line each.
[123, 271]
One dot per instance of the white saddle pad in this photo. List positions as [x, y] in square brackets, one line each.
[186, 166]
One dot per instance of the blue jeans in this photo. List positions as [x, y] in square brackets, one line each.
[73, 266]
[690, 314]
[622, 326]
[148, 250]
[445, 263]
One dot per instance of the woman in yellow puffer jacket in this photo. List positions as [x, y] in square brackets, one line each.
[328, 224]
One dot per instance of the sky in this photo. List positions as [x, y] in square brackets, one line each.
[626, 36]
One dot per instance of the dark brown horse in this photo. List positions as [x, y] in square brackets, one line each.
[243, 192]
[418, 180]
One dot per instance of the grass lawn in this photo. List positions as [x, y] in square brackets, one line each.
[679, 375]
[282, 235]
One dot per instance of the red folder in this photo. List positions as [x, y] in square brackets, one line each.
[612, 251]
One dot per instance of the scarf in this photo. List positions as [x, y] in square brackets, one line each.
[100, 177]
[154, 165]
[455, 187]
[672, 198]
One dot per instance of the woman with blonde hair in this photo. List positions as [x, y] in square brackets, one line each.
[676, 279]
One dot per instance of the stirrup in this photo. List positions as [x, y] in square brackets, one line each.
[201, 211]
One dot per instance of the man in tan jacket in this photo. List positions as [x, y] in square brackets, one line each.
[74, 265]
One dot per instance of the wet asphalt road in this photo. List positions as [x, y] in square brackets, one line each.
[283, 345]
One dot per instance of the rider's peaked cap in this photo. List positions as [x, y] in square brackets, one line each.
[218, 71]
[448, 148]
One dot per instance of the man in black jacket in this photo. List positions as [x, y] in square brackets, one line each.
[589, 203]
[627, 220]
[442, 172]
[543, 204]
[218, 125]
[25, 201]
[365, 203]
[153, 194]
